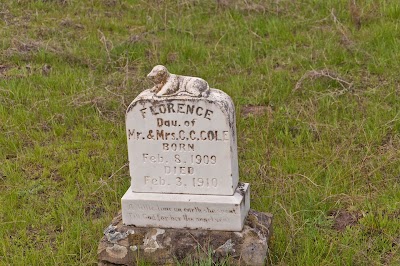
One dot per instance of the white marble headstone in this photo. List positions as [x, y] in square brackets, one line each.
[182, 149]
[182, 144]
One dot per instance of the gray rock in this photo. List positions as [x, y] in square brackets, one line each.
[126, 245]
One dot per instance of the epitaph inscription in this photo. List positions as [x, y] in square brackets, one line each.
[187, 211]
[182, 144]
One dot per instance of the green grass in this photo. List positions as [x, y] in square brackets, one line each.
[322, 147]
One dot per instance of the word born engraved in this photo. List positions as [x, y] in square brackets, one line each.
[180, 147]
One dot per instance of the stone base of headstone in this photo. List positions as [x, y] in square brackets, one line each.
[130, 245]
[210, 212]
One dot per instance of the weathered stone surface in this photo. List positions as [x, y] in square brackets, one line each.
[210, 212]
[182, 144]
[126, 245]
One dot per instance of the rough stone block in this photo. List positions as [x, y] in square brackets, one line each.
[128, 245]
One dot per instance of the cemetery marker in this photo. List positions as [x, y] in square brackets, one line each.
[185, 197]
[182, 149]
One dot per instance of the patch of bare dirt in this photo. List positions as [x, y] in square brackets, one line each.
[33, 170]
[355, 13]
[273, 7]
[395, 215]
[93, 211]
[29, 46]
[387, 258]
[2, 176]
[134, 39]
[172, 57]
[56, 176]
[68, 23]
[26, 46]
[3, 69]
[343, 218]
[255, 110]
[390, 144]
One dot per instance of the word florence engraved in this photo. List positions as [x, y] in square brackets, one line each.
[179, 108]
[183, 156]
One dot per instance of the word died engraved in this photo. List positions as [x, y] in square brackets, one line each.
[179, 170]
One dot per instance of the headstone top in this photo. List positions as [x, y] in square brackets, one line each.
[216, 96]
[167, 84]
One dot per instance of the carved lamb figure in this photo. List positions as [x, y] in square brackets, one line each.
[167, 84]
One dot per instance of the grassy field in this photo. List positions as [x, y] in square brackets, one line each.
[317, 94]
